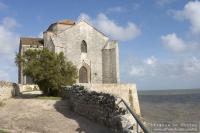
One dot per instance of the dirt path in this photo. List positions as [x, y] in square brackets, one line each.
[44, 116]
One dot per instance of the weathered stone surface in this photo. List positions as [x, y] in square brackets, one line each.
[101, 59]
[126, 91]
[29, 87]
[100, 107]
[8, 89]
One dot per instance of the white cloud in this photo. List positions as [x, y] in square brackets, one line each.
[192, 66]
[111, 28]
[4, 75]
[164, 74]
[177, 44]
[9, 23]
[8, 39]
[173, 42]
[137, 71]
[144, 67]
[84, 17]
[151, 61]
[164, 2]
[118, 9]
[151, 67]
[191, 12]
[9, 42]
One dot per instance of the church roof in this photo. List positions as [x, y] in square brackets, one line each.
[63, 22]
[66, 22]
[31, 41]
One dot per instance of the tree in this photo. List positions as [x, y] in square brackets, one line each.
[48, 70]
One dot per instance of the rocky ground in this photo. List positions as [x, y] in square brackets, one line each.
[44, 116]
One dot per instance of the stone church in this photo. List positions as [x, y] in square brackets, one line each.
[95, 55]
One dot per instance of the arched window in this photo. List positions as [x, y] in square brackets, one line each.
[83, 47]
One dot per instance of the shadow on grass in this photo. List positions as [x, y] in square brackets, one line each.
[85, 125]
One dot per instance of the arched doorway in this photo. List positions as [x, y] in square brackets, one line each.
[83, 75]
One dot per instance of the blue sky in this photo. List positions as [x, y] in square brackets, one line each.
[158, 39]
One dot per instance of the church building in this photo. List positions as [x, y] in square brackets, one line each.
[95, 55]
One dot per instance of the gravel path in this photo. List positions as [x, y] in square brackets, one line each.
[44, 116]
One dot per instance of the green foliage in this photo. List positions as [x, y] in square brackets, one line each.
[2, 103]
[2, 131]
[47, 69]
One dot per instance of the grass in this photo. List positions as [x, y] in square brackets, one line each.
[2, 131]
[1, 104]
[49, 98]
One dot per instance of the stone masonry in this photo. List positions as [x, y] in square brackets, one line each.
[94, 54]
[100, 107]
[9, 89]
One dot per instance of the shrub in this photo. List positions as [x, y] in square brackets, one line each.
[50, 71]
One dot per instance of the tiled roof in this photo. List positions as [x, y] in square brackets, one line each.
[31, 41]
[66, 22]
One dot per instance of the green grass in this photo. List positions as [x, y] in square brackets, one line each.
[1, 104]
[2, 131]
[49, 98]
[169, 92]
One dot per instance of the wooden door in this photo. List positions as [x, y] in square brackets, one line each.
[83, 76]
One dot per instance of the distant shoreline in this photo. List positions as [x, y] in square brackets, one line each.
[169, 92]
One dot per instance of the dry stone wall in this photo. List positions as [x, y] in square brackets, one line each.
[100, 107]
[8, 89]
[31, 87]
[126, 91]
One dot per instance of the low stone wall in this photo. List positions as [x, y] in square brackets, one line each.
[31, 87]
[100, 107]
[128, 92]
[8, 89]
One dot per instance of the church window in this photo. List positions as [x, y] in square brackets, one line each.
[84, 47]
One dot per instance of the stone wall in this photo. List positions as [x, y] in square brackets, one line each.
[100, 107]
[32, 87]
[8, 89]
[128, 92]
[109, 66]
[110, 57]
[69, 41]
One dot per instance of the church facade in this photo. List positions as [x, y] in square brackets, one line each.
[95, 55]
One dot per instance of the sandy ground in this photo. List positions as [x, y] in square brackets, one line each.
[44, 116]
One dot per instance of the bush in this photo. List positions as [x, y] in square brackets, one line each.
[50, 71]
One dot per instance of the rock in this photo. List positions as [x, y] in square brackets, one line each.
[100, 107]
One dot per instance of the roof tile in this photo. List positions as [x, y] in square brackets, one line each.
[31, 41]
